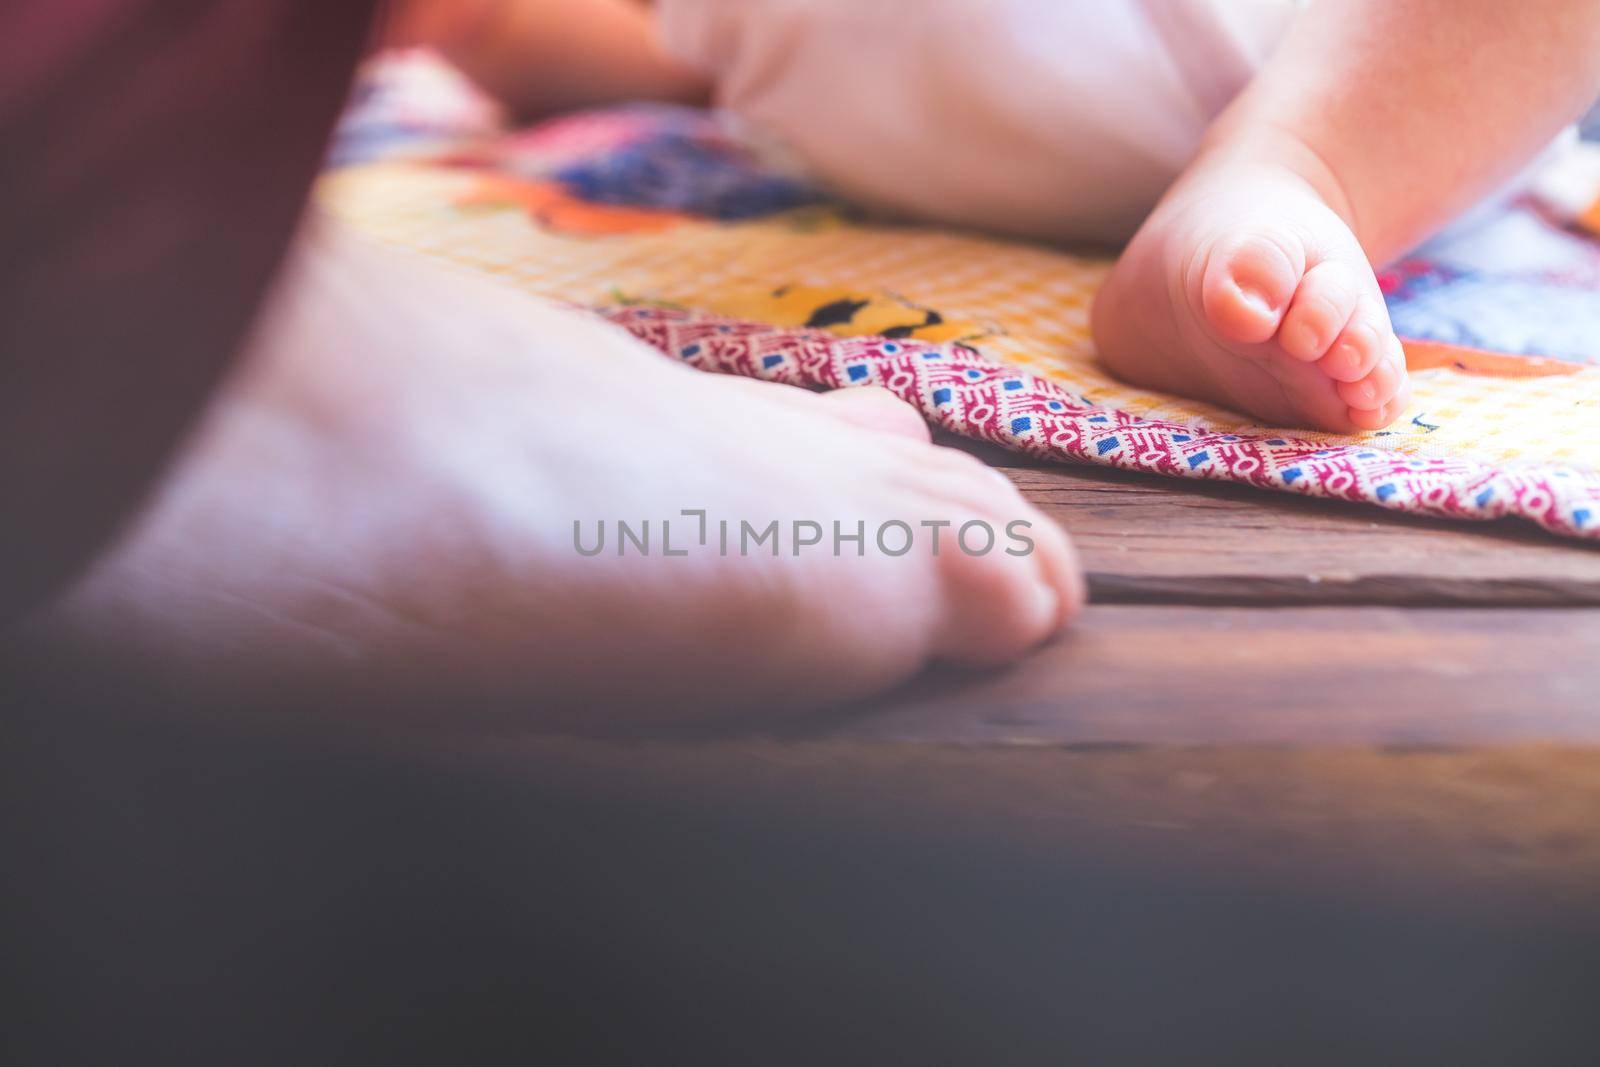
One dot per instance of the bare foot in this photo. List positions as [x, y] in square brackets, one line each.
[385, 503]
[1247, 289]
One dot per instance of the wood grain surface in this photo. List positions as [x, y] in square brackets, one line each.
[1131, 674]
[1150, 540]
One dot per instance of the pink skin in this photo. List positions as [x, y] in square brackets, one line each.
[1284, 321]
[381, 506]
[1251, 285]
[541, 56]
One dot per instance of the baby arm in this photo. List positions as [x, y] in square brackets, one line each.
[540, 56]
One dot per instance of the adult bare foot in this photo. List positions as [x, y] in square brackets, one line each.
[1247, 288]
[396, 497]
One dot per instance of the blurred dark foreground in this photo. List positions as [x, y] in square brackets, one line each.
[183, 893]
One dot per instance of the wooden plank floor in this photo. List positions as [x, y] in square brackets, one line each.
[1151, 540]
[1286, 685]
[1308, 784]
[1225, 615]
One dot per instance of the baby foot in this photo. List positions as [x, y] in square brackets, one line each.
[386, 501]
[1246, 289]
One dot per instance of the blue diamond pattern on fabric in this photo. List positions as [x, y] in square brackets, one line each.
[858, 373]
[1198, 458]
[1018, 425]
[1484, 497]
[771, 361]
[1292, 475]
[1013, 385]
[1384, 491]
[689, 351]
[1108, 445]
[941, 396]
[1581, 517]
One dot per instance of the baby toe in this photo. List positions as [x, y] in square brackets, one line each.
[1384, 416]
[1380, 386]
[1247, 286]
[1358, 349]
[1321, 307]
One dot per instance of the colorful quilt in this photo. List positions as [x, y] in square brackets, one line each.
[714, 248]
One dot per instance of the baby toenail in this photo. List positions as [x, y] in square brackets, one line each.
[1248, 292]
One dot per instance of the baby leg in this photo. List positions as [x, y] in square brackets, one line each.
[1063, 120]
[540, 56]
[1252, 284]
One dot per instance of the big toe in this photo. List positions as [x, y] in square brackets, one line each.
[875, 408]
[1248, 281]
[867, 407]
[1011, 578]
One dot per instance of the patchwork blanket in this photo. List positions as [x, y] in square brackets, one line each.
[717, 250]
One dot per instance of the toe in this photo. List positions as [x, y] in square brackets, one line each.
[877, 409]
[1058, 560]
[1384, 416]
[999, 606]
[1360, 345]
[1321, 307]
[1033, 535]
[1011, 580]
[1381, 384]
[867, 407]
[1248, 283]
